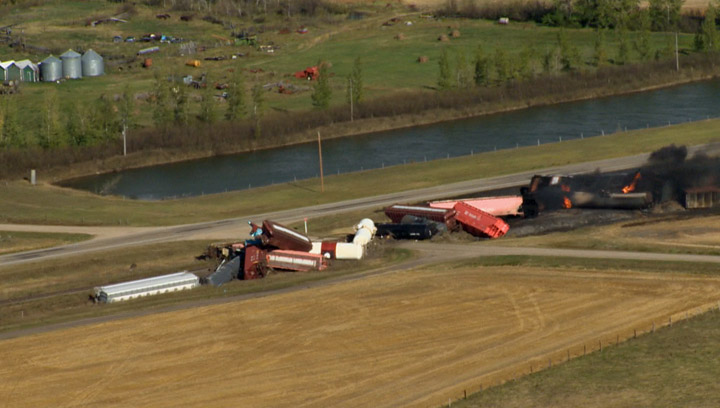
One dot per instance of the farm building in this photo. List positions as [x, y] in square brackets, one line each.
[4, 69]
[51, 69]
[146, 287]
[71, 65]
[92, 64]
[28, 71]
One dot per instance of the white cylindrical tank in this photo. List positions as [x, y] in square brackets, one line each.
[362, 237]
[368, 224]
[316, 248]
[346, 250]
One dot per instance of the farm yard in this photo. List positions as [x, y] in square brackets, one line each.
[411, 338]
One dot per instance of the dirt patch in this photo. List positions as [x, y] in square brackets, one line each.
[411, 338]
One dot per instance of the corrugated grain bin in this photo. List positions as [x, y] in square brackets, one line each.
[295, 260]
[446, 216]
[362, 237]
[51, 69]
[406, 231]
[497, 206]
[254, 263]
[71, 65]
[478, 222]
[346, 250]
[283, 237]
[92, 64]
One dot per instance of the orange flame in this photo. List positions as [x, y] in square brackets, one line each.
[567, 203]
[631, 187]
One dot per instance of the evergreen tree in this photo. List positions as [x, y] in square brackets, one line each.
[642, 42]
[258, 107]
[11, 131]
[664, 14]
[503, 68]
[463, 75]
[207, 106]
[126, 109]
[481, 74]
[623, 51]
[708, 36]
[236, 96]
[162, 112]
[356, 82]
[50, 134]
[524, 65]
[445, 78]
[74, 130]
[322, 92]
[569, 53]
[179, 103]
[600, 54]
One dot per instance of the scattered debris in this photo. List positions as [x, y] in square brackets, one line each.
[423, 59]
[106, 20]
[399, 36]
[164, 16]
[302, 30]
[455, 33]
[503, 20]
[310, 73]
[443, 38]
[193, 63]
[150, 50]
[187, 17]
[147, 63]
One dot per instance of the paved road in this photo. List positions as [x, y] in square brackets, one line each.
[188, 231]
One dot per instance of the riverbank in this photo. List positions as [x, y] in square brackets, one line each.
[513, 97]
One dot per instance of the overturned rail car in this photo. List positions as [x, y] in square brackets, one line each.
[444, 215]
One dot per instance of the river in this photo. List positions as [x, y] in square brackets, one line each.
[545, 124]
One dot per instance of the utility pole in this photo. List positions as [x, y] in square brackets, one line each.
[322, 181]
[124, 133]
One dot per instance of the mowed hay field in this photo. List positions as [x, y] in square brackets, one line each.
[413, 338]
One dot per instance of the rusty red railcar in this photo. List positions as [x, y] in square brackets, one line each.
[478, 222]
[254, 265]
[282, 237]
[295, 260]
[443, 215]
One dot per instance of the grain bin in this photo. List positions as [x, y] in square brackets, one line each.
[92, 64]
[51, 69]
[71, 65]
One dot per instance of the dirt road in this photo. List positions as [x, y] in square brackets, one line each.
[412, 338]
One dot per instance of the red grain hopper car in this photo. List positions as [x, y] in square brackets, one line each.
[478, 222]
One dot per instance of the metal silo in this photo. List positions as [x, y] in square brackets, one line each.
[92, 64]
[71, 65]
[51, 69]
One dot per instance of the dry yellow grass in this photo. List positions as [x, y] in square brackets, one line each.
[411, 338]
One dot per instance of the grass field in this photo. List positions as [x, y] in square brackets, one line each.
[390, 65]
[43, 293]
[674, 367]
[414, 338]
[18, 241]
[22, 203]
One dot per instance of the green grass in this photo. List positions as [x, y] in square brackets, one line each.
[389, 64]
[674, 367]
[17, 241]
[22, 284]
[22, 203]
